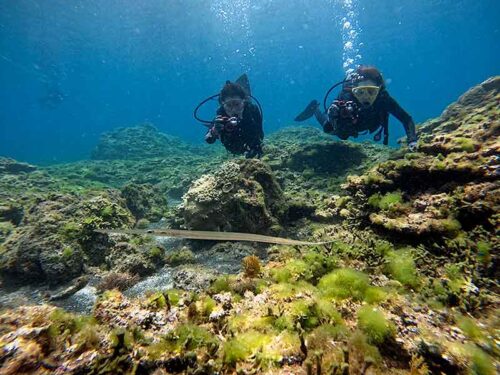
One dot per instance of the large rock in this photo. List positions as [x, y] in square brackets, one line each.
[56, 237]
[452, 183]
[11, 166]
[241, 196]
[138, 142]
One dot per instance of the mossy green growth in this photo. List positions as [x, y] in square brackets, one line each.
[156, 301]
[67, 252]
[387, 201]
[324, 333]
[248, 322]
[63, 322]
[482, 363]
[190, 337]
[157, 252]
[359, 343]
[285, 291]
[465, 144]
[128, 338]
[483, 252]
[470, 328]
[174, 296]
[6, 228]
[373, 323]
[206, 305]
[181, 256]
[293, 271]
[344, 283]
[326, 312]
[70, 231]
[382, 248]
[375, 295]
[401, 266]
[221, 284]
[318, 264]
[455, 276]
[248, 344]
[107, 212]
[450, 226]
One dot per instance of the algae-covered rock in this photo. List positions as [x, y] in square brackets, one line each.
[145, 201]
[451, 183]
[56, 237]
[241, 196]
[11, 166]
[138, 142]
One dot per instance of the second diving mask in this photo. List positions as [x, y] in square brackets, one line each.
[366, 95]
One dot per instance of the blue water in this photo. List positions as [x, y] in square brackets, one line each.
[70, 70]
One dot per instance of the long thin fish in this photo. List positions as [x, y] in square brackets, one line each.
[208, 235]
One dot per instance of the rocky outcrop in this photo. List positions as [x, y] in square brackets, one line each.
[145, 201]
[241, 196]
[452, 182]
[138, 142]
[12, 166]
[56, 237]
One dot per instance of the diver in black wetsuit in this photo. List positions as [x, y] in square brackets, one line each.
[238, 123]
[364, 104]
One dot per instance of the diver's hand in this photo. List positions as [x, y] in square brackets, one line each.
[212, 135]
[412, 146]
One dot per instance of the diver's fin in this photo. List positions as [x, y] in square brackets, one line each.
[245, 83]
[308, 112]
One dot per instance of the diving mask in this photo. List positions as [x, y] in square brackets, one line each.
[233, 106]
[366, 95]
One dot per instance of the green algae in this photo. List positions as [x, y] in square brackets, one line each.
[387, 201]
[183, 339]
[344, 283]
[482, 363]
[374, 325]
[484, 252]
[401, 266]
[181, 256]
[465, 144]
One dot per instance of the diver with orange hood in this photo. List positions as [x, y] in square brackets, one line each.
[363, 104]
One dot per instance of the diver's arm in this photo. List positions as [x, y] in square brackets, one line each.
[213, 133]
[397, 111]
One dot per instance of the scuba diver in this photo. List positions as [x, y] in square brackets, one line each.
[363, 104]
[238, 121]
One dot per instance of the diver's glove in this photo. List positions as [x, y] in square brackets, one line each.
[412, 146]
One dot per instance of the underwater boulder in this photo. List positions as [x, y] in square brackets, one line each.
[138, 142]
[450, 183]
[241, 196]
[56, 237]
[11, 166]
[145, 201]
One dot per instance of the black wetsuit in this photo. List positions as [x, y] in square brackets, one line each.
[372, 118]
[245, 138]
